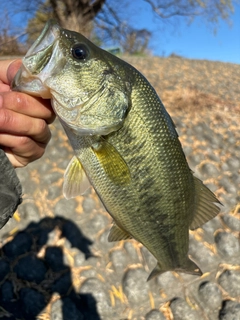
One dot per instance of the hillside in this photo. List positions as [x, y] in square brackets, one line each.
[57, 263]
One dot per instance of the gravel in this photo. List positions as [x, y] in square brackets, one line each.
[56, 262]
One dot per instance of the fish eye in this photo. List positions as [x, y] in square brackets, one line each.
[80, 51]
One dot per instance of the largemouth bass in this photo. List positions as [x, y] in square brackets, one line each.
[125, 144]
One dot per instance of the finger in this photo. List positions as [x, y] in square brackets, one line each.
[4, 87]
[6, 74]
[12, 69]
[21, 150]
[28, 105]
[21, 125]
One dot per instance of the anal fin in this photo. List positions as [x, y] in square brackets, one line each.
[117, 234]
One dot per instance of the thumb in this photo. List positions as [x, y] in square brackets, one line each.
[13, 68]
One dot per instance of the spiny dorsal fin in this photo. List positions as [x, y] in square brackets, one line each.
[112, 162]
[205, 205]
[75, 180]
[117, 234]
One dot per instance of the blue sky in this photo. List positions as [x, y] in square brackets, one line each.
[195, 41]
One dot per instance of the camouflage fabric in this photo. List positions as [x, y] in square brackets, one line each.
[10, 190]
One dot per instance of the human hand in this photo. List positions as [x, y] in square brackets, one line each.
[24, 131]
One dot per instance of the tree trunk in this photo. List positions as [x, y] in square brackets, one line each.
[76, 15]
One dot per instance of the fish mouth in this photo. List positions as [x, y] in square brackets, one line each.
[42, 60]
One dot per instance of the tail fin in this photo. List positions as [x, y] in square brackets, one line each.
[155, 272]
[190, 267]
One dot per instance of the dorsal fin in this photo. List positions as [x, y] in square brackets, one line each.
[205, 205]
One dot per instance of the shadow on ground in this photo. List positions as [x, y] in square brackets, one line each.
[32, 270]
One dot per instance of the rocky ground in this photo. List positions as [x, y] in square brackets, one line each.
[55, 261]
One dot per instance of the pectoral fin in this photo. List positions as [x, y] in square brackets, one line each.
[205, 205]
[112, 162]
[117, 234]
[75, 180]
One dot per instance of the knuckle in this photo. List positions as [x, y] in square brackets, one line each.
[5, 119]
[30, 148]
[41, 126]
[37, 153]
[24, 141]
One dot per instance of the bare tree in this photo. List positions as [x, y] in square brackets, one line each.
[8, 43]
[111, 19]
[76, 15]
[211, 10]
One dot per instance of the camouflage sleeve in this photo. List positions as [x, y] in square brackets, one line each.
[10, 189]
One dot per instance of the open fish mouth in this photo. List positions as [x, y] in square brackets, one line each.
[42, 60]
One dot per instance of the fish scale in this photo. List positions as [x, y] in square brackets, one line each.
[125, 144]
[160, 200]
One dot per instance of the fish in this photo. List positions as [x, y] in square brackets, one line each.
[125, 145]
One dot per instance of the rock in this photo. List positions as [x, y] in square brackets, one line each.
[89, 273]
[32, 303]
[96, 296]
[233, 163]
[209, 170]
[52, 177]
[135, 286]
[170, 285]
[94, 225]
[232, 222]
[70, 310]
[230, 310]
[20, 244]
[210, 295]
[30, 268]
[65, 208]
[4, 268]
[202, 255]
[65, 309]
[56, 310]
[74, 235]
[132, 252]
[228, 185]
[79, 258]
[63, 284]
[227, 244]
[103, 241]
[54, 192]
[54, 259]
[29, 211]
[88, 204]
[209, 229]
[6, 291]
[188, 150]
[154, 315]
[229, 280]
[181, 310]
[119, 259]
[42, 236]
